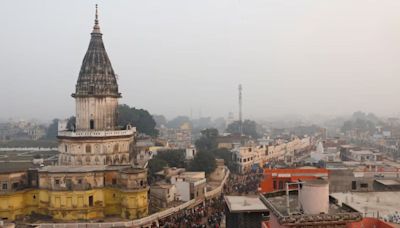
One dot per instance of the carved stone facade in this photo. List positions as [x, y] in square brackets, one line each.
[95, 177]
[96, 138]
[96, 113]
[95, 151]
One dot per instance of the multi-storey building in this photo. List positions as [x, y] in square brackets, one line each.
[276, 179]
[246, 156]
[94, 178]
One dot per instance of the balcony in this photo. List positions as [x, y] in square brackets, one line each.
[94, 134]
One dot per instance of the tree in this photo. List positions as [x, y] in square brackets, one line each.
[174, 158]
[225, 154]
[208, 140]
[52, 130]
[155, 165]
[139, 118]
[203, 161]
[249, 128]
[71, 124]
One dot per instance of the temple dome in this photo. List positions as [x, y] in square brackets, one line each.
[96, 77]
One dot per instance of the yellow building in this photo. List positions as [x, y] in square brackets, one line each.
[95, 177]
[72, 193]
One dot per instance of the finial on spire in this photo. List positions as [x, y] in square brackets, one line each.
[96, 27]
[97, 15]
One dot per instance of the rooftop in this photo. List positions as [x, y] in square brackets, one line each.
[366, 152]
[12, 167]
[370, 202]
[162, 185]
[245, 204]
[389, 182]
[280, 199]
[277, 202]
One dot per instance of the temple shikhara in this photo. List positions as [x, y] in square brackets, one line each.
[94, 177]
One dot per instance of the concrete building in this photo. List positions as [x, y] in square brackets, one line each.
[190, 152]
[381, 205]
[244, 211]
[190, 185]
[364, 155]
[361, 176]
[307, 206]
[163, 195]
[246, 156]
[276, 179]
[180, 138]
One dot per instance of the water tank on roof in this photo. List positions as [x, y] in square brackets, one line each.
[314, 197]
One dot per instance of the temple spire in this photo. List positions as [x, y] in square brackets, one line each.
[96, 27]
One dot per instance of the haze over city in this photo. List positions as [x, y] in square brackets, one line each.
[292, 57]
[200, 114]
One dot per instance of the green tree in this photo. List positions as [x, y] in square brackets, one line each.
[225, 154]
[174, 158]
[203, 161]
[208, 140]
[249, 128]
[139, 118]
[52, 130]
[155, 165]
[71, 124]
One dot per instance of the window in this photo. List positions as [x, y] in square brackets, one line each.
[353, 185]
[91, 89]
[65, 148]
[280, 184]
[116, 148]
[90, 201]
[57, 181]
[114, 181]
[34, 197]
[141, 183]
[4, 186]
[79, 181]
[88, 149]
[15, 185]
[364, 185]
[274, 184]
[91, 124]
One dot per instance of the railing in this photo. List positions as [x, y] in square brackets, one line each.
[96, 133]
[218, 190]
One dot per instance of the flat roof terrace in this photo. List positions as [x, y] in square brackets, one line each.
[294, 216]
[386, 203]
[238, 204]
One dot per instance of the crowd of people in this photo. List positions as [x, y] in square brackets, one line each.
[210, 214]
[206, 215]
[243, 184]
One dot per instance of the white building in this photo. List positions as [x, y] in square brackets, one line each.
[190, 152]
[245, 157]
[364, 155]
[189, 185]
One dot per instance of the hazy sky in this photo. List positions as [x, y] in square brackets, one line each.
[292, 56]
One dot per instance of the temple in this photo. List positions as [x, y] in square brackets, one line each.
[95, 177]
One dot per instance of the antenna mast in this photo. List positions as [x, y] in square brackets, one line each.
[240, 110]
